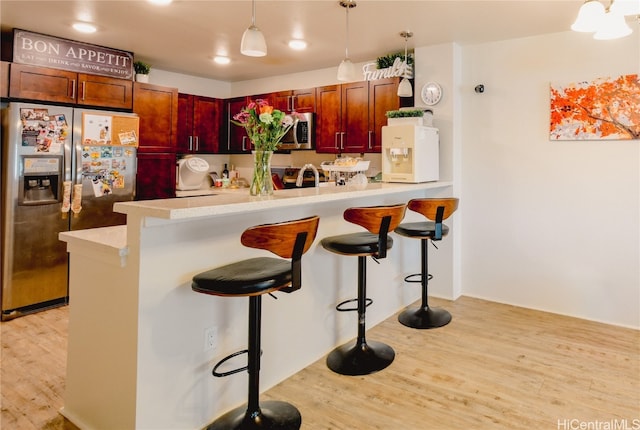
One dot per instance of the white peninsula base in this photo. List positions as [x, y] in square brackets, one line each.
[137, 355]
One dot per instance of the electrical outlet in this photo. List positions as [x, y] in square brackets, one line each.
[210, 338]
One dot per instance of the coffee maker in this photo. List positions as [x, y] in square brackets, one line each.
[410, 153]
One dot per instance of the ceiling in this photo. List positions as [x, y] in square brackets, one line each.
[184, 36]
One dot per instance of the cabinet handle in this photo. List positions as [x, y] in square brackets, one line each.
[229, 127]
[293, 103]
[84, 87]
[244, 139]
[342, 140]
[369, 137]
[335, 140]
[197, 144]
[73, 88]
[190, 143]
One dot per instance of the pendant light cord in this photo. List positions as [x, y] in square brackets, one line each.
[406, 60]
[253, 14]
[346, 50]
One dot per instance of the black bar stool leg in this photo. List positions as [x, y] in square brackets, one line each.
[425, 317]
[360, 357]
[270, 414]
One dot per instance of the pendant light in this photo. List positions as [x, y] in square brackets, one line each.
[346, 69]
[253, 43]
[606, 23]
[590, 16]
[404, 89]
[613, 26]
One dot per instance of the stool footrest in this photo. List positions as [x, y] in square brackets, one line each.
[424, 317]
[340, 306]
[411, 278]
[272, 414]
[217, 374]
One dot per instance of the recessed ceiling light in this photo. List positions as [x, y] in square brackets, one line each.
[84, 27]
[160, 2]
[220, 59]
[297, 44]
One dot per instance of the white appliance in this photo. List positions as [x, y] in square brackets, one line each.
[410, 153]
[191, 173]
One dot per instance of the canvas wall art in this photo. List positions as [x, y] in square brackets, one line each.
[602, 109]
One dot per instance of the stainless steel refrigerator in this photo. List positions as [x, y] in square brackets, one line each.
[62, 169]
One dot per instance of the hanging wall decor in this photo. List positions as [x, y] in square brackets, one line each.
[603, 109]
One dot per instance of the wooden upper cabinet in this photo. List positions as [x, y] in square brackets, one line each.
[199, 120]
[96, 90]
[157, 107]
[355, 117]
[350, 116]
[44, 84]
[383, 97]
[4, 79]
[303, 100]
[342, 118]
[328, 119]
[237, 140]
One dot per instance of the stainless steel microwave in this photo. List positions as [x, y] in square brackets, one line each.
[301, 134]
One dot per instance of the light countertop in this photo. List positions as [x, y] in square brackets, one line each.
[230, 201]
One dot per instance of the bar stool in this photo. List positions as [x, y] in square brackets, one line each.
[362, 357]
[436, 210]
[253, 278]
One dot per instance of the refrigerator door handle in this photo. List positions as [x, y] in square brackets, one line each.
[76, 203]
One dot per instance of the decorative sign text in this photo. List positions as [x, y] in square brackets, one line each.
[397, 69]
[48, 51]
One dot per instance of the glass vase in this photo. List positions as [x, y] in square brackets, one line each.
[261, 184]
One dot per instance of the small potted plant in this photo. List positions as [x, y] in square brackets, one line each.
[142, 71]
[405, 116]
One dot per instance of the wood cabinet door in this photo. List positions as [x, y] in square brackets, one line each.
[303, 100]
[294, 100]
[328, 124]
[206, 124]
[157, 107]
[184, 140]
[156, 176]
[355, 117]
[281, 100]
[237, 140]
[4, 79]
[42, 84]
[383, 97]
[104, 91]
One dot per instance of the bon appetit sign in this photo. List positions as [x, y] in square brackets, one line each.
[48, 51]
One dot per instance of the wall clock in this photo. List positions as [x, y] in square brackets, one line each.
[431, 93]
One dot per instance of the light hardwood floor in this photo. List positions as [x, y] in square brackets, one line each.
[493, 367]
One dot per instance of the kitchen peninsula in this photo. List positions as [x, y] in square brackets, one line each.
[138, 356]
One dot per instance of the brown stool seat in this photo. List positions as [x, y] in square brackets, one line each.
[362, 357]
[254, 277]
[435, 210]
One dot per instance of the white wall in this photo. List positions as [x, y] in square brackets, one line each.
[551, 225]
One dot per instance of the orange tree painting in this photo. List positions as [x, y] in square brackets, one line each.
[603, 109]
